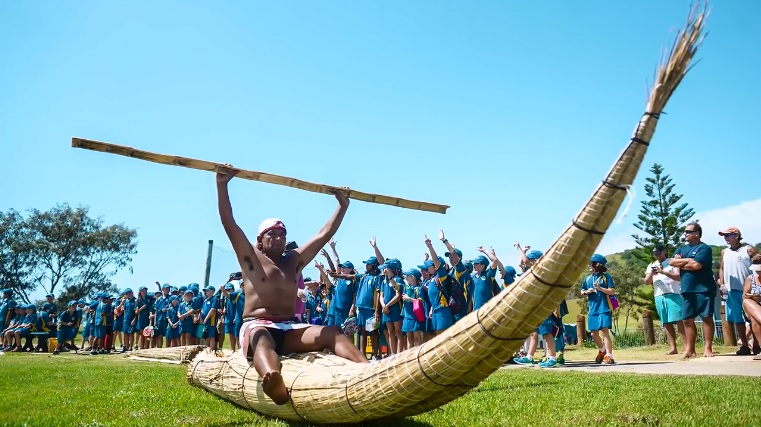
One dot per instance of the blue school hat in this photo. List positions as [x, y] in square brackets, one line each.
[49, 296]
[481, 260]
[165, 285]
[372, 260]
[31, 307]
[183, 289]
[189, 292]
[392, 264]
[47, 306]
[427, 263]
[457, 251]
[81, 301]
[143, 288]
[209, 288]
[598, 259]
[71, 303]
[413, 272]
[172, 298]
[347, 264]
[128, 290]
[229, 286]
[533, 254]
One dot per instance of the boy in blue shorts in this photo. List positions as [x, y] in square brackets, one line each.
[209, 316]
[598, 287]
[66, 321]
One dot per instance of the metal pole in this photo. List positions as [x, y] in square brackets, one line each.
[208, 264]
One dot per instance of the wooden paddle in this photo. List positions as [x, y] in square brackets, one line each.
[166, 159]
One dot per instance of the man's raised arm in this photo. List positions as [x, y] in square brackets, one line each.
[309, 251]
[241, 245]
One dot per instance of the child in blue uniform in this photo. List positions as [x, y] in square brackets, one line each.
[391, 304]
[485, 284]
[209, 316]
[185, 315]
[142, 316]
[66, 321]
[129, 320]
[439, 289]
[118, 322]
[173, 322]
[160, 307]
[343, 292]
[598, 286]
[411, 326]
[232, 300]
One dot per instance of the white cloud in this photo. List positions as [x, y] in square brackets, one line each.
[746, 216]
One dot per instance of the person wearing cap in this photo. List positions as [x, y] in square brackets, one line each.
[172, 322]
[160, 308]
[668, 295]
[425, 278]
[185, 313]
[696, 280]
[525, 357]
[411, 326]
[598, 287]
[99, 326]
[197, 304]
[7, 311]
[128, 320]
[752, 297]
[85, 316]
[142, 316]
[232, 300]
[118, 323]
[268, 329]
[50, 299]
[439, 288]
[19, 315]
[25, 328]
[209, 317]
[460, 274]
[391, 291]
[734, 267]
[343, 290]
[45, 323]
[66, 321]
[485, 285]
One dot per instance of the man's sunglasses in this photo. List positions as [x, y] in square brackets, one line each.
[690, 231]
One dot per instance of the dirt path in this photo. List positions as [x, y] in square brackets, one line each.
[719, 365]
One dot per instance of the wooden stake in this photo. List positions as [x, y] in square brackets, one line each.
[166, 159]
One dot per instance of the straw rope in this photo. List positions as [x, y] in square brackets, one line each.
[328, 389]
[187, 162]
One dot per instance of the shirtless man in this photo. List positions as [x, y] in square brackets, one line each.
[269, 285]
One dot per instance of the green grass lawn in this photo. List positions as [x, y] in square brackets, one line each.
[68, 390]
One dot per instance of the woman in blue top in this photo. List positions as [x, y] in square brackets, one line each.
[128, 322]
[391, 304]
[411, 327]
[142, 312]
[598, 287]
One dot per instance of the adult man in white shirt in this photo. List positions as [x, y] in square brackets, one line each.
[668, 298]
[734, 268]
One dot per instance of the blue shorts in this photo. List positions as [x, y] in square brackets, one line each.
[340, 316]
[546, 327]
[441, 319]
[697, 304]
[65, 333]
[394, 314]
[597, 322]
[210, 332]
[411, 325]
[118, 325]
[363, 314]
[172, 333]
[127, 327]
[669, 308]
[160, 329]
[86, 330]
[734, 307]
[22, 331]
[99, 331]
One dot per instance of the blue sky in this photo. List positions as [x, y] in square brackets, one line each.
[509, 112]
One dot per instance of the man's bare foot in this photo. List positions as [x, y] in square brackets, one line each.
[671, 352]
[274, 387]
[687, 356]
[708, 353]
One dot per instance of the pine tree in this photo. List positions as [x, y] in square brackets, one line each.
[661, 217]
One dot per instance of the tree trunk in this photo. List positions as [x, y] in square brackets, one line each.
[647, 326]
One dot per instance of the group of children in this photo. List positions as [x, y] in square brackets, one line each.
[403, 307]
[182, 316]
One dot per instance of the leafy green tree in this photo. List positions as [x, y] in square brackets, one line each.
[66, 247]
[662, 216]
[628, 280]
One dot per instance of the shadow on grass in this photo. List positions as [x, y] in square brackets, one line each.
[600, 366]
[404, 422]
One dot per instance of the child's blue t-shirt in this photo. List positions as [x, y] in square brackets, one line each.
[368, 286]
[343, 294]
[484, 287]
[598, 301]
